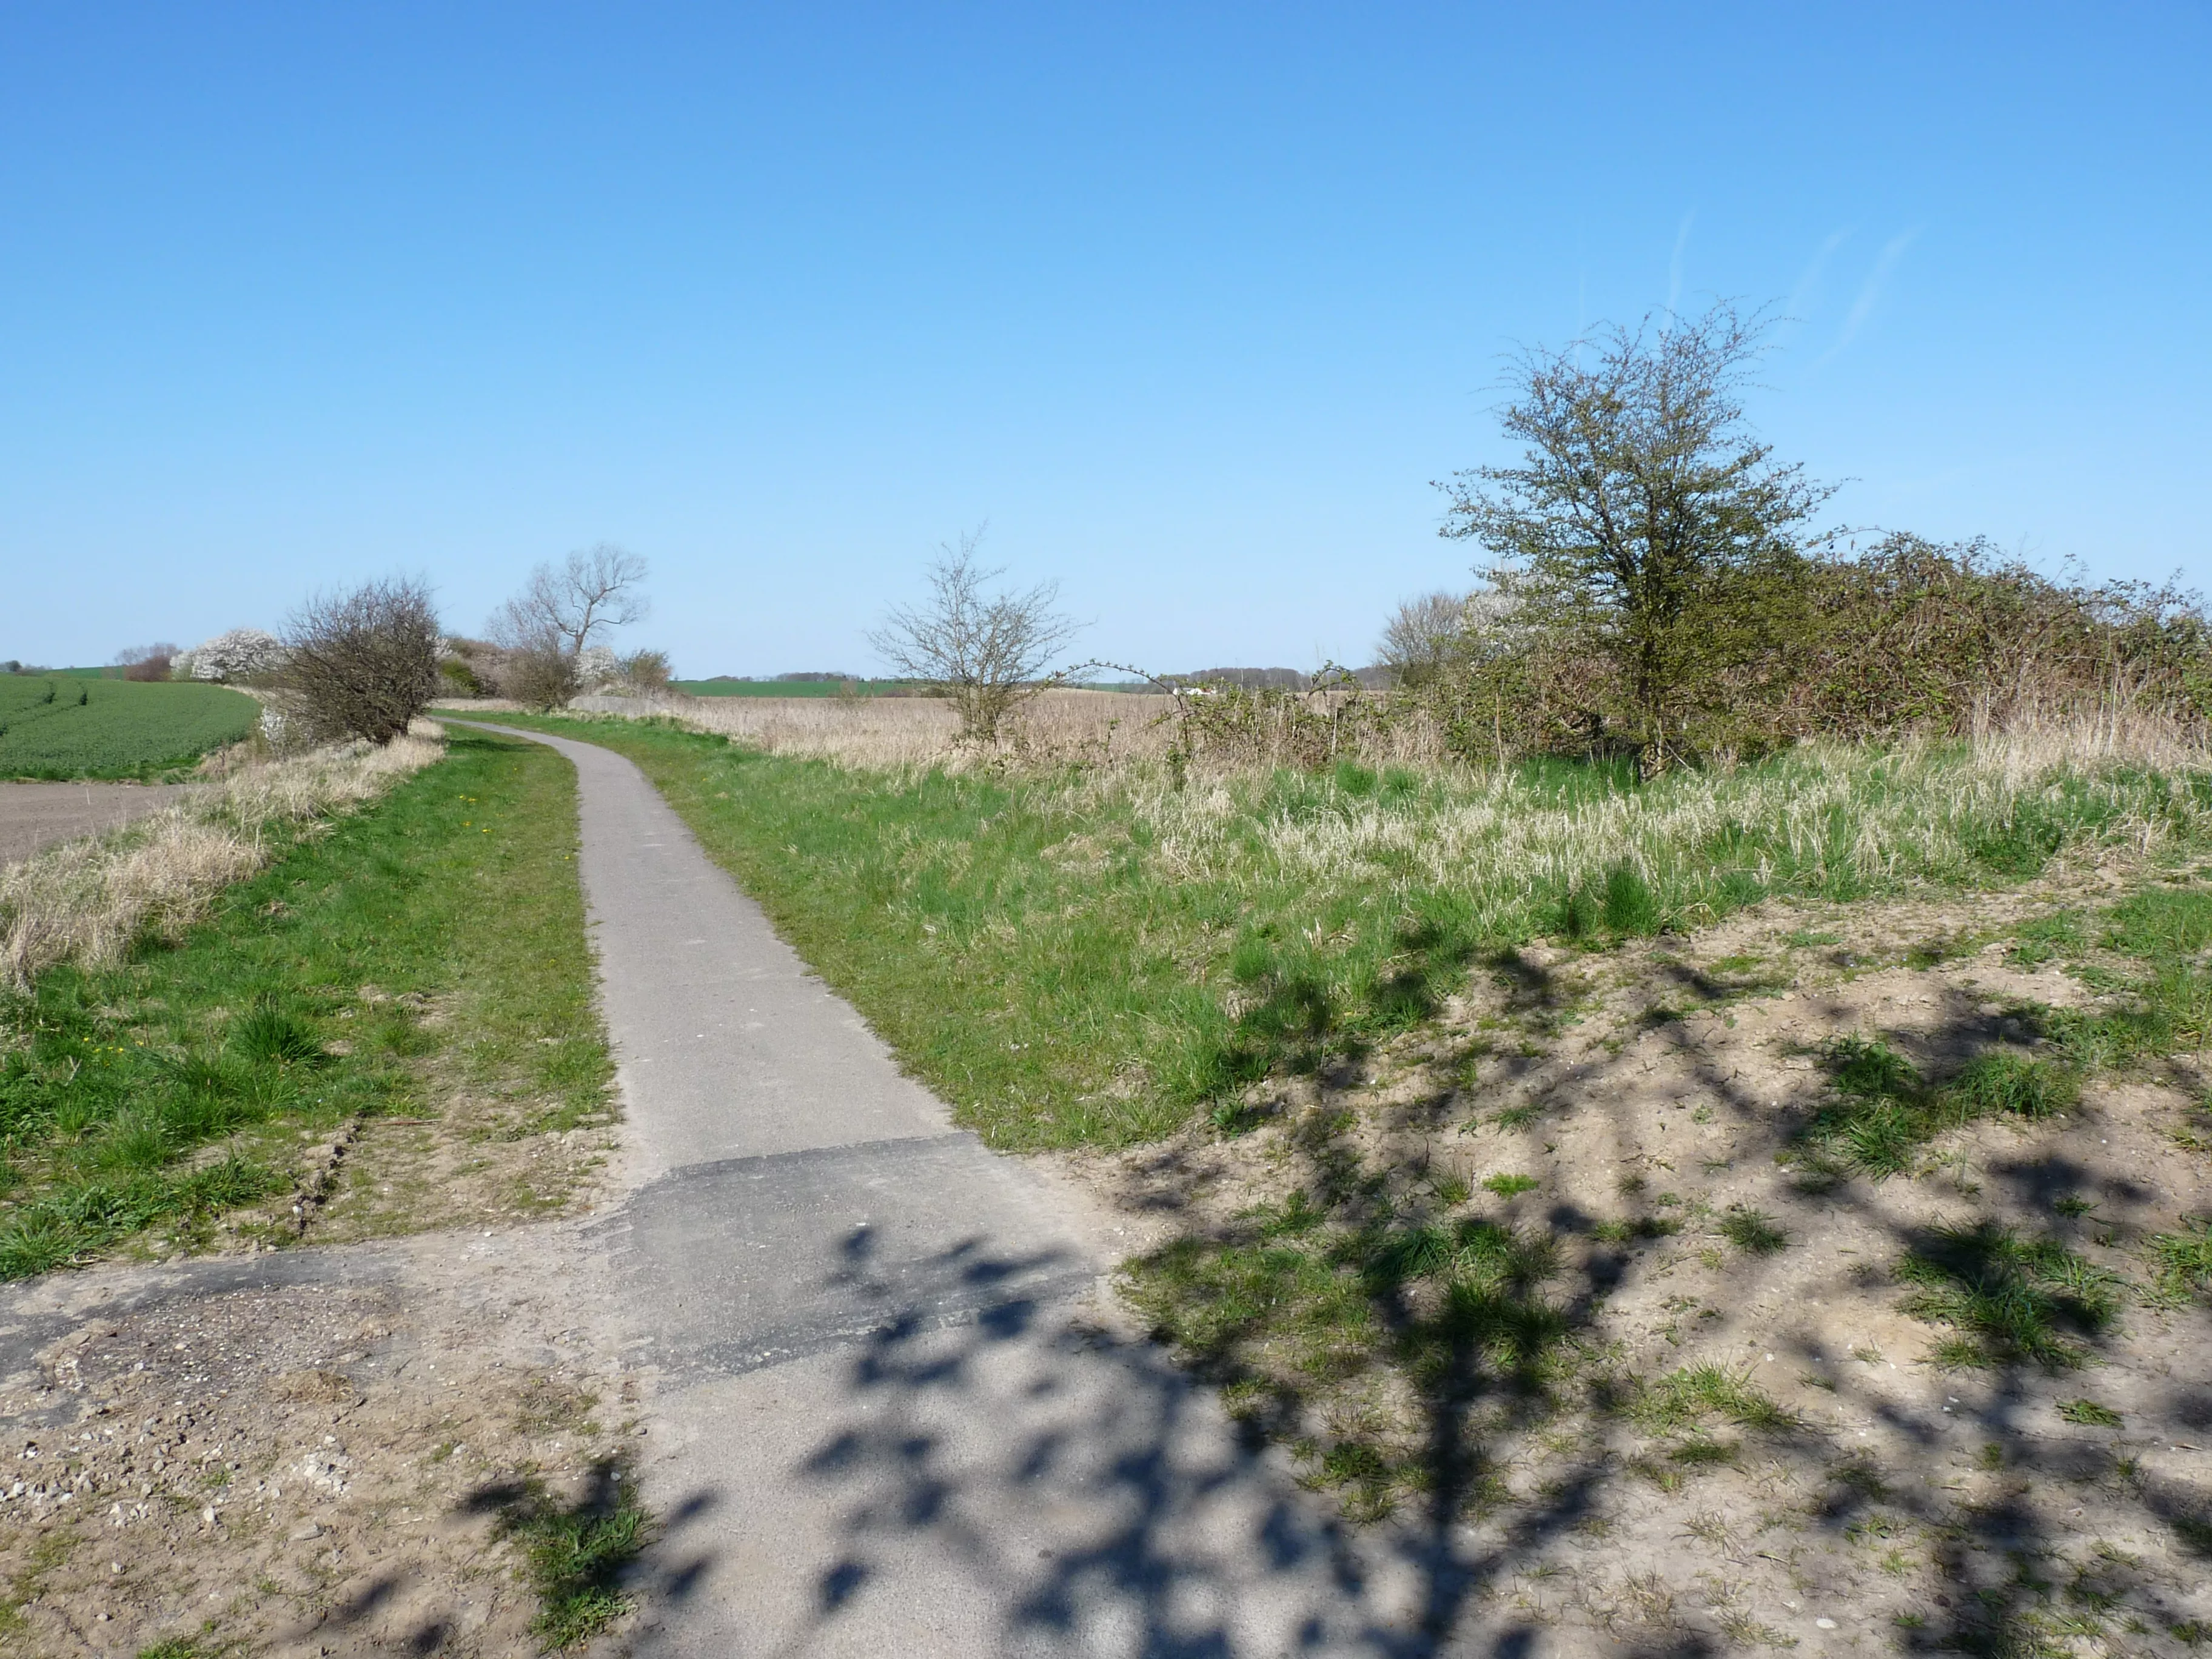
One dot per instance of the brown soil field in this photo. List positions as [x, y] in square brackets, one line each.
[35, 815]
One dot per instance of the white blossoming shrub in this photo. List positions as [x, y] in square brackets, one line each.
[598, 666]
[238, 654]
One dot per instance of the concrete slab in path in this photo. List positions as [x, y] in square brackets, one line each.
[884, 1424]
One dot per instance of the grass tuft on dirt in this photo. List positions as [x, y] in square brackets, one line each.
[431, 943]
[576, 1552]
[2008, 1299]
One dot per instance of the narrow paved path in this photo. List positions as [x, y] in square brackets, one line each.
[883, 1424]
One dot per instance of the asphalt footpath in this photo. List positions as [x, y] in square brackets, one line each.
[887, 1420]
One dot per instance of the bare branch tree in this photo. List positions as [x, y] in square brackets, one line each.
[361, 663]
[1422, 636]
[147, 662]
[987, 652]
[591, 591]
[546, 628]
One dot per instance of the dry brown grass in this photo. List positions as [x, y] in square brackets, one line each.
[898, 731]
[2030, 742]
[2034, 736]
[85, 900]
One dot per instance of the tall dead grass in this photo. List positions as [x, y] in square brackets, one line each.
[1832, 818]
[86, 900]
[2026, 739]
[1103, 727]
[1829, 816]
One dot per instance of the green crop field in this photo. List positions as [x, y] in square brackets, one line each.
[780, 688]
[54, 726]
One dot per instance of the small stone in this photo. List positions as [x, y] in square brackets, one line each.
[1825, 1624]
[301, 1534]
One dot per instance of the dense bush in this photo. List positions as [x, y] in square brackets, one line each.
[1656, 590]
[146, 664]
[362, 663]
[540, 674]
[1910, 635]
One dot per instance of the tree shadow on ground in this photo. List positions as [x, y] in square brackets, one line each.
[2039, 1520]
[579, 1553]
[1386, 1419]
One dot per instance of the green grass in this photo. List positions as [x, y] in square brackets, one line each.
[1088, 957]
[2090, 1414]
[2006, 1299]
[300, 1003]
[1689, 1398]
[64, 727]
[2181, 1262]
[1883, 1112]
[188, 1647]
[1306, 1296]
[1753, 1231]
[2156, 983]
[575, 1553]
[780, 688]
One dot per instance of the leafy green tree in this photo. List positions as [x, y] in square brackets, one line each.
[1646, 526]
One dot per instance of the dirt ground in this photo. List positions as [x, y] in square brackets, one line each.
[1653, 1089]
[299, 1453]
[320, 1449]
[35, 815]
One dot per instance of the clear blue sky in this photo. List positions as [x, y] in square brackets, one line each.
[1190, 303]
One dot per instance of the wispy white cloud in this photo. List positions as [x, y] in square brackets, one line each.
[1675, 265]
[1870, 290]
[1806, 294]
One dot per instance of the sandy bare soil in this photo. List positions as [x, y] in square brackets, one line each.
[317, 1450]
[35, 815]
[1909, 1504]
[304, 1453]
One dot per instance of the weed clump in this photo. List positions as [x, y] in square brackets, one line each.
[2007, 1300]
[576, 1553]
[2090, 1414]
[1753, 1231]
[271, 1037]
[1884, 1111]
[1685, 1398]
[2181, 1263]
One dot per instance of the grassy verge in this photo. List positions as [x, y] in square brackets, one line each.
[1089, 957]
[440, 927]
